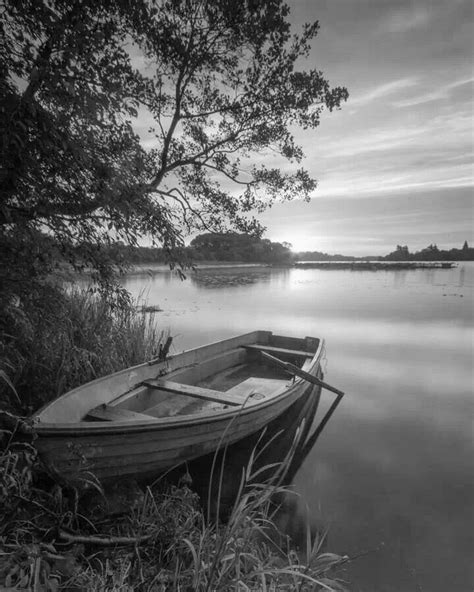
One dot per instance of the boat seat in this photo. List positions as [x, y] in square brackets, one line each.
[280, 350]
[108, 413]
[194, 391]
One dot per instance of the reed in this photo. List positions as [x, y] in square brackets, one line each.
[59, 339]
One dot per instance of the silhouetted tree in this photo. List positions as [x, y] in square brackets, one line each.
[217, 82]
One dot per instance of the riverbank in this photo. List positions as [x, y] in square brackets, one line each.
[327, 265]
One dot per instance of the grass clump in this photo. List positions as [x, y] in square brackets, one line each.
[56, 339]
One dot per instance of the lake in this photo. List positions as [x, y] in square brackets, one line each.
[391, 477]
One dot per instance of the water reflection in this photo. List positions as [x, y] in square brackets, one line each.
[399, 278]
[230, 277]
[391, 475]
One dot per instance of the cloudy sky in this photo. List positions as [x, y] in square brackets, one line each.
[395, 164]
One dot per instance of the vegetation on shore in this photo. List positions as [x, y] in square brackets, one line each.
[211, 246]
[432, 253]
[244, 248]
[401, 253]
[56, 339]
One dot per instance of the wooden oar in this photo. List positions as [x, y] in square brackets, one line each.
[292, 369]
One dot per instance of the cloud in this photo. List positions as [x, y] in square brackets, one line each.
[383, 90]
[375, 224]
[441, 93]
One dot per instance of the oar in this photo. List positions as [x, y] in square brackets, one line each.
[292, 369]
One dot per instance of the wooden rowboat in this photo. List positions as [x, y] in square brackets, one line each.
[144, 420]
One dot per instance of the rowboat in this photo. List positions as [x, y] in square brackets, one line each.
[143, 420]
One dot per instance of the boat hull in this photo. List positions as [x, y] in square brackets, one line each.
[80, 452]
[152, 450]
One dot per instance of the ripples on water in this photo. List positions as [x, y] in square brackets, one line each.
[392, 474]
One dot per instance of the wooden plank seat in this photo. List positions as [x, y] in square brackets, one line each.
[194, 391]
[280, 350]
[252, 388]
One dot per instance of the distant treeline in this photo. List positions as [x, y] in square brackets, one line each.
[237, 247]
[229, 246]
[232, 246]
[432, 253]
[401, 253]
[319, 256]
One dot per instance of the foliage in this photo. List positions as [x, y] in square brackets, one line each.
[217, 82]
[54, 340]
[432, 253]
[401, 253]
[319, 256]
[224, 246]
[232, 246]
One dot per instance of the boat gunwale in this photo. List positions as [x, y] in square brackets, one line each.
[85, 428]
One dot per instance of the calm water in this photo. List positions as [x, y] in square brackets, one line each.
[392, 475]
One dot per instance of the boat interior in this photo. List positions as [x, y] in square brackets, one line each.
[228, 379]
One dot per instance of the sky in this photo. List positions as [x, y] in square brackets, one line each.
[395, 164]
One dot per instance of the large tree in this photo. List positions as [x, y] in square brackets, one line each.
[218, 85]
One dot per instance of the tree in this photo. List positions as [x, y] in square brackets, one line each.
[400, 254]
[233, 246]
[216, 80]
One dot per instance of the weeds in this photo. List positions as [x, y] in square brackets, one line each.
[57, 340]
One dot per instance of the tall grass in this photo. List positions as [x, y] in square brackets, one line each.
[58, 339]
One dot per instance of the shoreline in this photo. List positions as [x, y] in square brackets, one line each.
[139, 269]
[375, 265]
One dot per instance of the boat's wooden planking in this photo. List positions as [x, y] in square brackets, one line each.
[144, 398]
[257, 388]
[195, 391]
[145, 447]
[153, 450]
[280, 351]
[208, 367]
[105, 412]
[74, 405]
